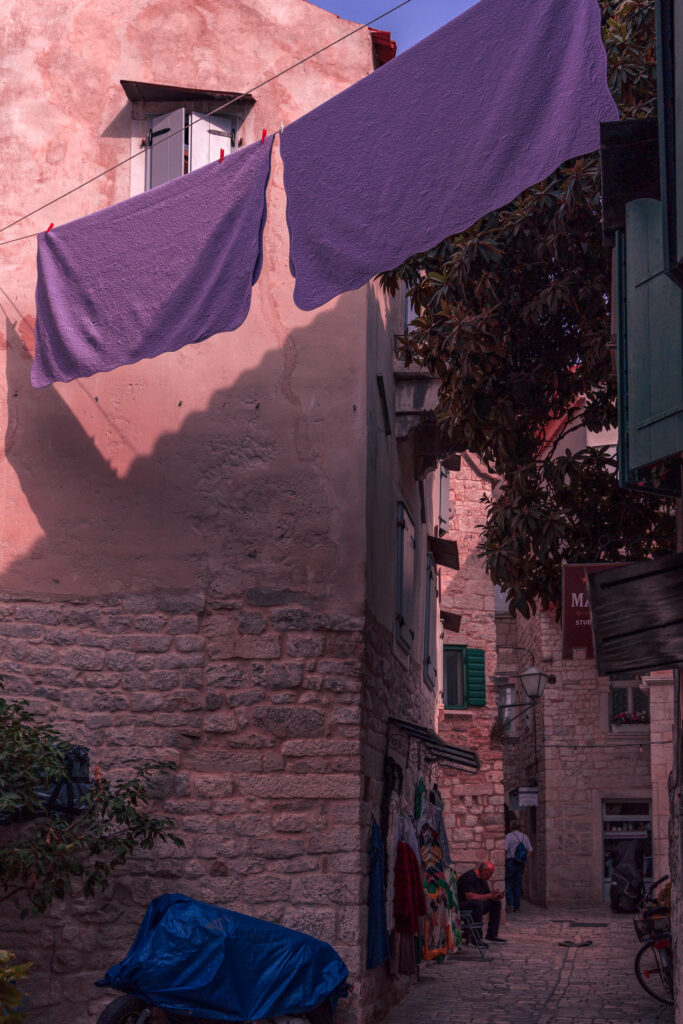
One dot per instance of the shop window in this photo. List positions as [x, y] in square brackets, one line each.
[405, 578]
[626, 820]
[464, 677]
[431, 622]
[628, 705]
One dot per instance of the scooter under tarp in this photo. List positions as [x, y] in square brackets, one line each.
[197, 960]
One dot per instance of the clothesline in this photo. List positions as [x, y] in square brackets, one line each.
[217, 110]
[362, 194]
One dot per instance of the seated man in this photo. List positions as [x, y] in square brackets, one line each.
[475, 895]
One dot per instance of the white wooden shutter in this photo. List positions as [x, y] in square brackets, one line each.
[444, 501]
[430, 640]
[405, 578]
[208, 136]
[165, 152]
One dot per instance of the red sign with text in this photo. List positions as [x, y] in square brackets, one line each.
[577, 628]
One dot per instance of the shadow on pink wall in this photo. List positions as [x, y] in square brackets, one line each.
[245, 492]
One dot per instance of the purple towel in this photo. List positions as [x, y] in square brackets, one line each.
[164, 269]
[455, 127]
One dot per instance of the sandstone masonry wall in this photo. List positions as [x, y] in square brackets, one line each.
[582, 761]
[473, 803]
[258, 701]
[393, 686]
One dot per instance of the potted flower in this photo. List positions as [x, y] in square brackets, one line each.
[631, 718]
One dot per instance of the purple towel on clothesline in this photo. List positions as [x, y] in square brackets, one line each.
[454, 128]
[164, 269]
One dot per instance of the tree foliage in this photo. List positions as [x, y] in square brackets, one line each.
[11, 999]
[513, 317]
[42, 855]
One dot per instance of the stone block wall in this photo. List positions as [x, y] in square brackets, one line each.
[393, 686]
[524, 750]
[660, 689]
[258, 702]
[474, 810]
[581, 763]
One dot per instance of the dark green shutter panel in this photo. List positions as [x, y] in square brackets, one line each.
[475, 676]
[654, 342]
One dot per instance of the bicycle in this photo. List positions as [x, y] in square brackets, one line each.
[654, 960]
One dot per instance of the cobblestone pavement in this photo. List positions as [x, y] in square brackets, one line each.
[534, 980]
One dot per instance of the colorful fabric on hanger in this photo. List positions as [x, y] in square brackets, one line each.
[443, 840]
[405, 833]
[390, 862]
[378, 936]
[167, 268]
[456, 920]
[455, 127]
[438, 934]
[409, 897]
[420, 790]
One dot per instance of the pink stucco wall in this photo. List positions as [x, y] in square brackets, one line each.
[100, 478]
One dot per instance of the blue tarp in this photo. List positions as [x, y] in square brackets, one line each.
[197, 959]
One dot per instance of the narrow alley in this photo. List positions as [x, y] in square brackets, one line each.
[534, 980]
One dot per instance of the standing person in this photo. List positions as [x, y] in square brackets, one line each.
[475, 895]
[517, 849]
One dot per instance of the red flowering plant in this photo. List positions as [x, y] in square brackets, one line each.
[631, 718]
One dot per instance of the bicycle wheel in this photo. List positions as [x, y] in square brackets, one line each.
[653, 971]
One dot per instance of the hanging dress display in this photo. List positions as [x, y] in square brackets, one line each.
[378, 936]
[438, 936]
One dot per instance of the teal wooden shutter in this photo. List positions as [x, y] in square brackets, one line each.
[669, 20]
[652, 391]
[475, 677]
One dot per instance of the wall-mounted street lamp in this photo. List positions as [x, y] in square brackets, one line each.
[534, 681]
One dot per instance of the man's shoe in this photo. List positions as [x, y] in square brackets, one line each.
[489, 938]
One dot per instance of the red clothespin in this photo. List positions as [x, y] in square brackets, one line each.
[50, 228]
[220, 158]
[263, 136]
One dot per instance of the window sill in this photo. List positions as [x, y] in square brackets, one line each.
[628, 733]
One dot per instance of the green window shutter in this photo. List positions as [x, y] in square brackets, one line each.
[652, 386]
[475, 677]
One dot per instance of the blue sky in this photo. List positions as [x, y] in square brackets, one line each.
[411, 23]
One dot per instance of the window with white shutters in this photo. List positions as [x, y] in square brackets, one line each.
[431, 622]
[444, 501]
[405, 578]
[182, 141]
